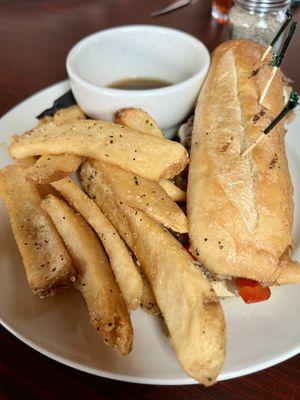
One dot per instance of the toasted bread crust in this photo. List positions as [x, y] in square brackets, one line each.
[240, 210]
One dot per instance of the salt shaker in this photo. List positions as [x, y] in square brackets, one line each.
[257, 20]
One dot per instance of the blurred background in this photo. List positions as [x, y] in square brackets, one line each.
[39, 33]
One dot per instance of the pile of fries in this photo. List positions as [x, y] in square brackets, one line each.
[110, 237]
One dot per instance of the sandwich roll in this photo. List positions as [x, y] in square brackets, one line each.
[240, 209]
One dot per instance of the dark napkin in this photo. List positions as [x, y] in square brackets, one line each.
[64, 101]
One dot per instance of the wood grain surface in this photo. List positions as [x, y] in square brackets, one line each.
[35, 37]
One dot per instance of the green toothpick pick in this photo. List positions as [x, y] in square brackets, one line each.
[277, 60]
[292, 103]
[289, 15]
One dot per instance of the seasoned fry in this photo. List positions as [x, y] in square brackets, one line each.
[46, 261]
[143, 154]
[146, 195]
[68, 114]
[189, 305]
[173, 191]
[51, 168]
[138, 119]
[148, 301]
[127, 277]
[96, 282]
[43, 189]
[64, 115]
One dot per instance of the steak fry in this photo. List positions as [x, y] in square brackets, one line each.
[46, 261]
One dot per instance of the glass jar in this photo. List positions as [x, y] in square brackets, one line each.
[257, 20]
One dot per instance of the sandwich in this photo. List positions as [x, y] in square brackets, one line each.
[240, 209]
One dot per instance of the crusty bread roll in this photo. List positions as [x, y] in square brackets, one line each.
[240, 210]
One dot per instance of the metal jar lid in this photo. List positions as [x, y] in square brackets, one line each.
[264, 5]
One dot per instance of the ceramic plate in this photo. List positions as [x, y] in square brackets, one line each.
[259, 335]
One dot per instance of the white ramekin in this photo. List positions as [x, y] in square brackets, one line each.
[138, 51]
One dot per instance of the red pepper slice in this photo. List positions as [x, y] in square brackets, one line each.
[252, 291]
[186, 247]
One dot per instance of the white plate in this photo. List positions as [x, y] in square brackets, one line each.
[259, 335]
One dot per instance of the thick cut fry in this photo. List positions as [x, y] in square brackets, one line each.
[148, 301]
[173, 191]
[146, 195]
[43, 189]
[138, 119]
[51, 168]
[143, 154]
[189, 305]
[127, 276]
[64, 115]
[46, 261]
[68, 114]
[96, 282]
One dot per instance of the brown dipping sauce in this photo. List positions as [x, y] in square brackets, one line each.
[139, 84]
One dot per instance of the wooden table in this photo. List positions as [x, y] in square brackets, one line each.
[35, 37]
